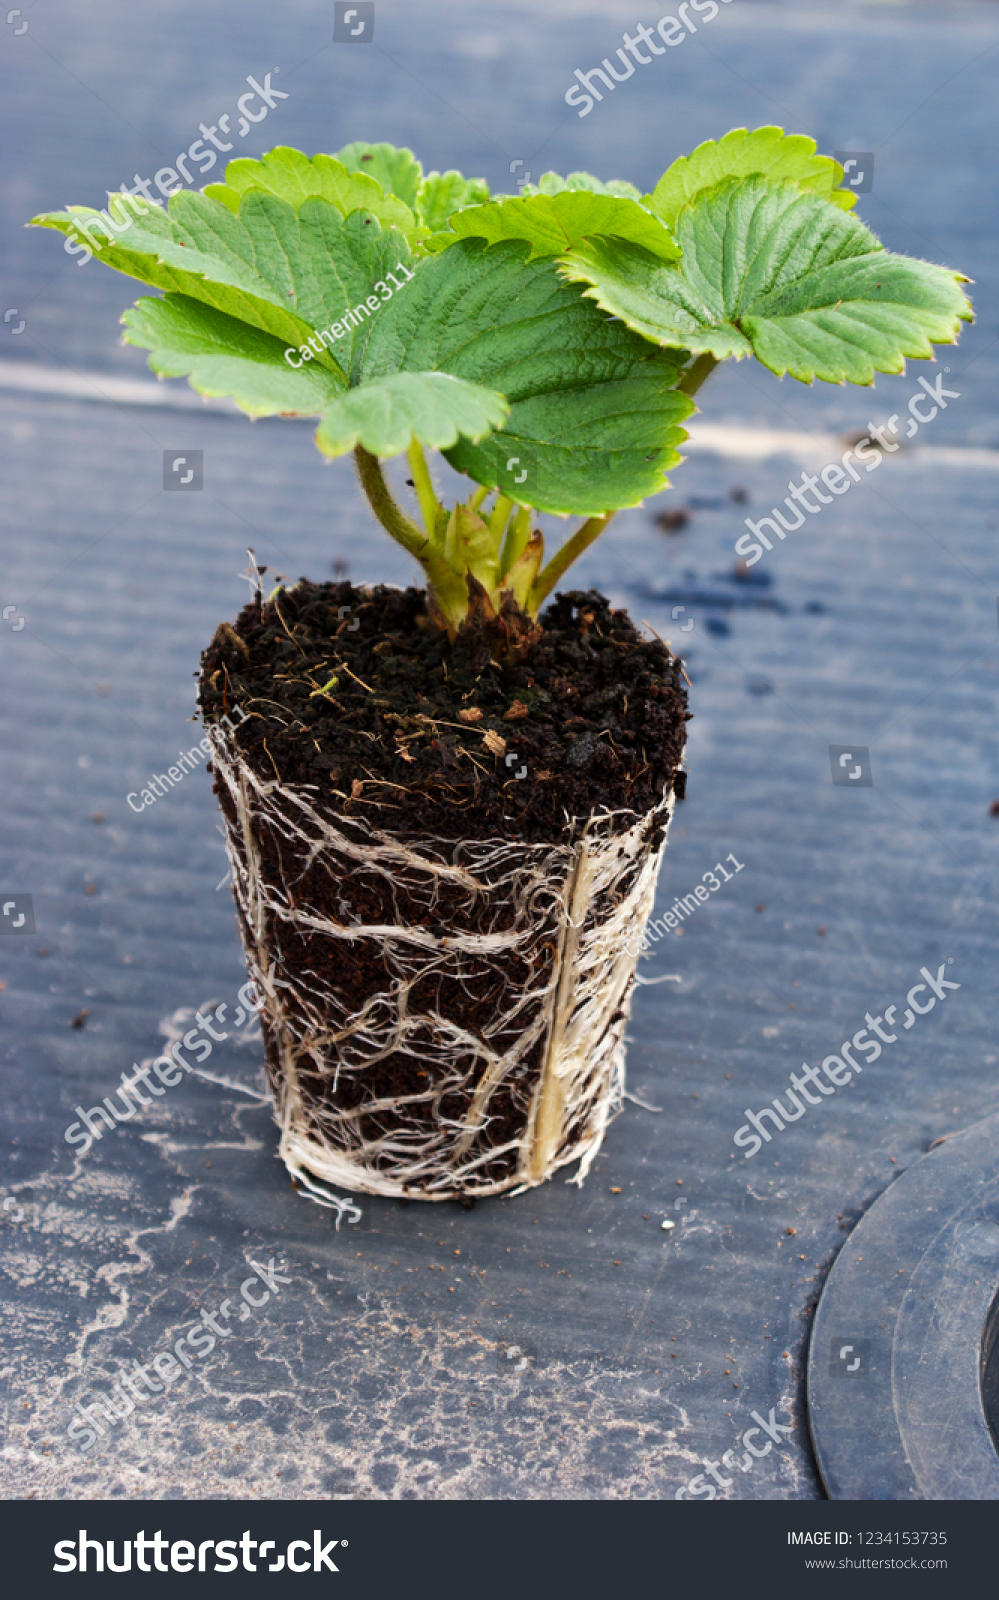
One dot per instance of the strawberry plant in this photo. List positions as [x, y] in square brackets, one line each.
[549, 344]
[445, 810]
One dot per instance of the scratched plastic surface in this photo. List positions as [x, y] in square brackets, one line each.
[382, 1367]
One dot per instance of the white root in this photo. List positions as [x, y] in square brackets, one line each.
[490, 1051]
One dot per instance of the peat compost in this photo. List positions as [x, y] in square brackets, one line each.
[440, 860]
[354, 691]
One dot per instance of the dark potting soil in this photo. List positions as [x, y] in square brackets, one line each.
[353, 692]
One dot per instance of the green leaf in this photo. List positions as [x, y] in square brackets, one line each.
[586, 450]
[653, 299]
[397, 170]
[155, 250]
[292, 177]
[775, 272]
[551, 183]
[594, 412]
[443, 193]
[769, 151]
[288, 272]
[552, 224]
[439, 242]
[222, 356]
[387, 414]
[302, 255]
[318, 264]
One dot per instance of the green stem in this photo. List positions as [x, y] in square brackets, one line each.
[384, 507]
[696, 373]
[478, 497]
[424, 488]
[562, 560]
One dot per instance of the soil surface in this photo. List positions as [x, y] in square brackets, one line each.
[353, 691]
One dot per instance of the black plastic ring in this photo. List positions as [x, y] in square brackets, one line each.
[905, 1332]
